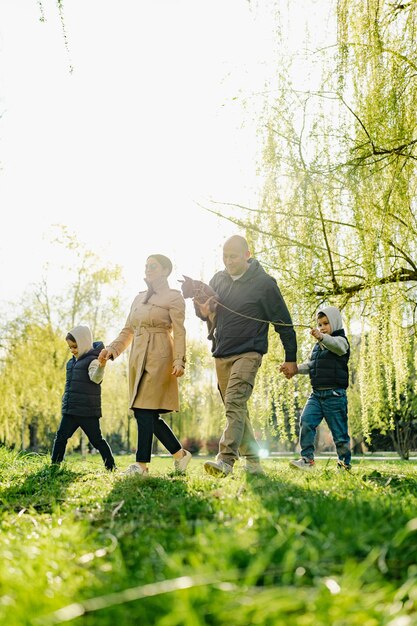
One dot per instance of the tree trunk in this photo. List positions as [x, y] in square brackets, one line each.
[401, 438]
[23, 428]
[33, 436]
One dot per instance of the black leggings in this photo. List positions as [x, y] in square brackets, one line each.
[149, 424]
[91, 427]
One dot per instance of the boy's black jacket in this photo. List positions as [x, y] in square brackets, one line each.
[82, 397]
[329, 370]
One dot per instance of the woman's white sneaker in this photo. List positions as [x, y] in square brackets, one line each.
[136, 470]
[180, 465]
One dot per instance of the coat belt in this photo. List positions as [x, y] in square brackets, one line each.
[152, 329]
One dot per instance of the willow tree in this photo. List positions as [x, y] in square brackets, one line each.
[336, 222]
[30, 382]
[34, 353]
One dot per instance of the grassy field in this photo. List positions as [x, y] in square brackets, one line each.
[80, 546]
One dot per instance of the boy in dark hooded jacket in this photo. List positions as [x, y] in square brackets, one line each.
[329, 376]
[81, 402]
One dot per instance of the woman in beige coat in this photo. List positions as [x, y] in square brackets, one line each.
[155, 330]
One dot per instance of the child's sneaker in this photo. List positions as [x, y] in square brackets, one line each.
[303, 464]
[180, 465]
[342, 465]
[218, 468]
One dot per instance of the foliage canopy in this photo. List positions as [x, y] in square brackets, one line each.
[336, 222]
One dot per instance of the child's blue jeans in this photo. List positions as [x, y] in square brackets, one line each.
[331, 405]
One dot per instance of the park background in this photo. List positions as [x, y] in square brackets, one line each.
[168, 126]
[142, 126]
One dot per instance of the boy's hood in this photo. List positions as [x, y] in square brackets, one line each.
[333, 315]
[84, 338]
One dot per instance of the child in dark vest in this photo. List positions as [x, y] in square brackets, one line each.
[81, 402]
[329, 376]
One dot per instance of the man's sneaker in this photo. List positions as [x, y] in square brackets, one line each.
[342, 465]
[180, 465]
[254, 467]
[218, 468]
[136, 470]
[303, 464]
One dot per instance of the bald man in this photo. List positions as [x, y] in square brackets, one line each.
[253, 299]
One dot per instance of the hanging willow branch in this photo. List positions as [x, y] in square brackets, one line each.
[400, 275]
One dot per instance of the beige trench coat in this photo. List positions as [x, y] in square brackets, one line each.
[157, 334]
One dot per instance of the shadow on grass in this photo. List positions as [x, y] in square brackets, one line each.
[41, 490]
[141, 538]
[330, 519]
[151, 514]
[282, 534]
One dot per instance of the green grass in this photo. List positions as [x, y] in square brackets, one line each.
[82, 547]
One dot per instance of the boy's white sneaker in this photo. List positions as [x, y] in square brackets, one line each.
[136, 470]
[303, 464]
[218, 468]
[180, 465]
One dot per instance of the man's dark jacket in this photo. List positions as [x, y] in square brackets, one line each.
[255, 295]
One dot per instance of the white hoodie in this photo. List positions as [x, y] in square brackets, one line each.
[84, 340]
[338, 345]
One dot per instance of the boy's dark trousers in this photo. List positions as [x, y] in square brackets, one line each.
[91, 427]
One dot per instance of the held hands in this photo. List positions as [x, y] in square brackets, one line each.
[289, 369]
[104, 356]
[101, 360]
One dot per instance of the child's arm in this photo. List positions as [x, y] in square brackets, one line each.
[96, 370]
[304, 368]
[338, 345]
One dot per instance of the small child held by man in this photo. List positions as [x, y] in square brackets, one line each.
[329, 377]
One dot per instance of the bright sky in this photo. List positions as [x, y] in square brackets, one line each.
[151, 123]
